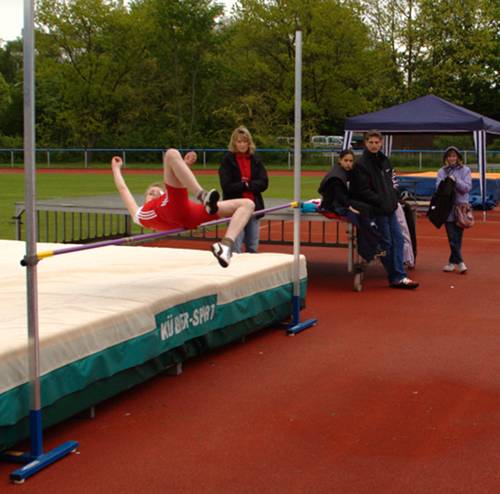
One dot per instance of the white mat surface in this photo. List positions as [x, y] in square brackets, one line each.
[94, 299]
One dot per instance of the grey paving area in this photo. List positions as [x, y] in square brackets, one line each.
[109, 203]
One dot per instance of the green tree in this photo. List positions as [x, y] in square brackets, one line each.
[11, 94]
[90, 54]
[11, 59]
[342, 74]
[394, 26]
[181, 38]
[461, 59]
[5, 98]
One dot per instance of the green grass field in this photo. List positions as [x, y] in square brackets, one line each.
[81, 184]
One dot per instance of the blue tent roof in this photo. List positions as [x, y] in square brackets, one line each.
[426, 114]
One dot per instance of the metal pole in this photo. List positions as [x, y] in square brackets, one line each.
[296, 325]
[297, 163]
[36, 459]
[31, 227]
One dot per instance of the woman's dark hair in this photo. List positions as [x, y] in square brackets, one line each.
[345, 152]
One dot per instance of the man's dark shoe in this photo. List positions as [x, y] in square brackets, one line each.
[405, 284]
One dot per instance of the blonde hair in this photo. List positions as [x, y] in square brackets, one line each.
[241, 131]
[160, 185]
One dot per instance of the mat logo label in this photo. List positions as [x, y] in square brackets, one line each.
[176, 324]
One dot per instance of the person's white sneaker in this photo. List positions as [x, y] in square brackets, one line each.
[222, 253]
[449, 268]
[462, 268]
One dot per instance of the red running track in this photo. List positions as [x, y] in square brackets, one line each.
[392, 392]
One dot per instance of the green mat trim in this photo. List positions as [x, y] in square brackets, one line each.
[183, 331]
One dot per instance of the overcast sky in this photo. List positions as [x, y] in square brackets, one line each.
[11, 17]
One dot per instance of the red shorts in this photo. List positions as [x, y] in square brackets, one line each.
[173, 210]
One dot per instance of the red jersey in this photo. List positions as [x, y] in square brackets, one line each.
[172, 210]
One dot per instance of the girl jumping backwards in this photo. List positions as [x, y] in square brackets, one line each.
[167, 206]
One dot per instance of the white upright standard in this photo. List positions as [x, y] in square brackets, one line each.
[296, 326]
[35, 459]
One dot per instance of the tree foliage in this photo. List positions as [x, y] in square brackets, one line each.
[178, 73]
[447, 47]
[11, 96]
[461, 60]
[89, 54]
[342, 74]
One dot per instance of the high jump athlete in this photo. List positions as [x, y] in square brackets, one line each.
[167, 206]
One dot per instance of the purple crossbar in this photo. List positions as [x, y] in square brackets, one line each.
[153, 236]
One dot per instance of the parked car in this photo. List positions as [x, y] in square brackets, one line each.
[357, 141]
[327, 141]
[285, 141]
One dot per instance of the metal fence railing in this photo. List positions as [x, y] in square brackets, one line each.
[211, 157]
[91, 219]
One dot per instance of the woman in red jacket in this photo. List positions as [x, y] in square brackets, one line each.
[243, 175]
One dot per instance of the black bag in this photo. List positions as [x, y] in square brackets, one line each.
[442, 203]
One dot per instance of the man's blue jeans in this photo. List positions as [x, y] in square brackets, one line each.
[392, 242]
[455, 234]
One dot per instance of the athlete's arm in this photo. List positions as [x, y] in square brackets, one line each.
[127, 197]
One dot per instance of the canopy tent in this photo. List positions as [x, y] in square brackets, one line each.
[428, 114]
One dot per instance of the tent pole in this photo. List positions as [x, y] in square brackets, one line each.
[480, 148]
[346, 143]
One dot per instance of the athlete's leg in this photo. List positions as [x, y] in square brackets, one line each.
[240, 211]
[177, 173]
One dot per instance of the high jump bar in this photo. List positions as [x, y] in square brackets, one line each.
[145, 237]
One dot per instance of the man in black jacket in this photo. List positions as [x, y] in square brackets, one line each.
[372, 182]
